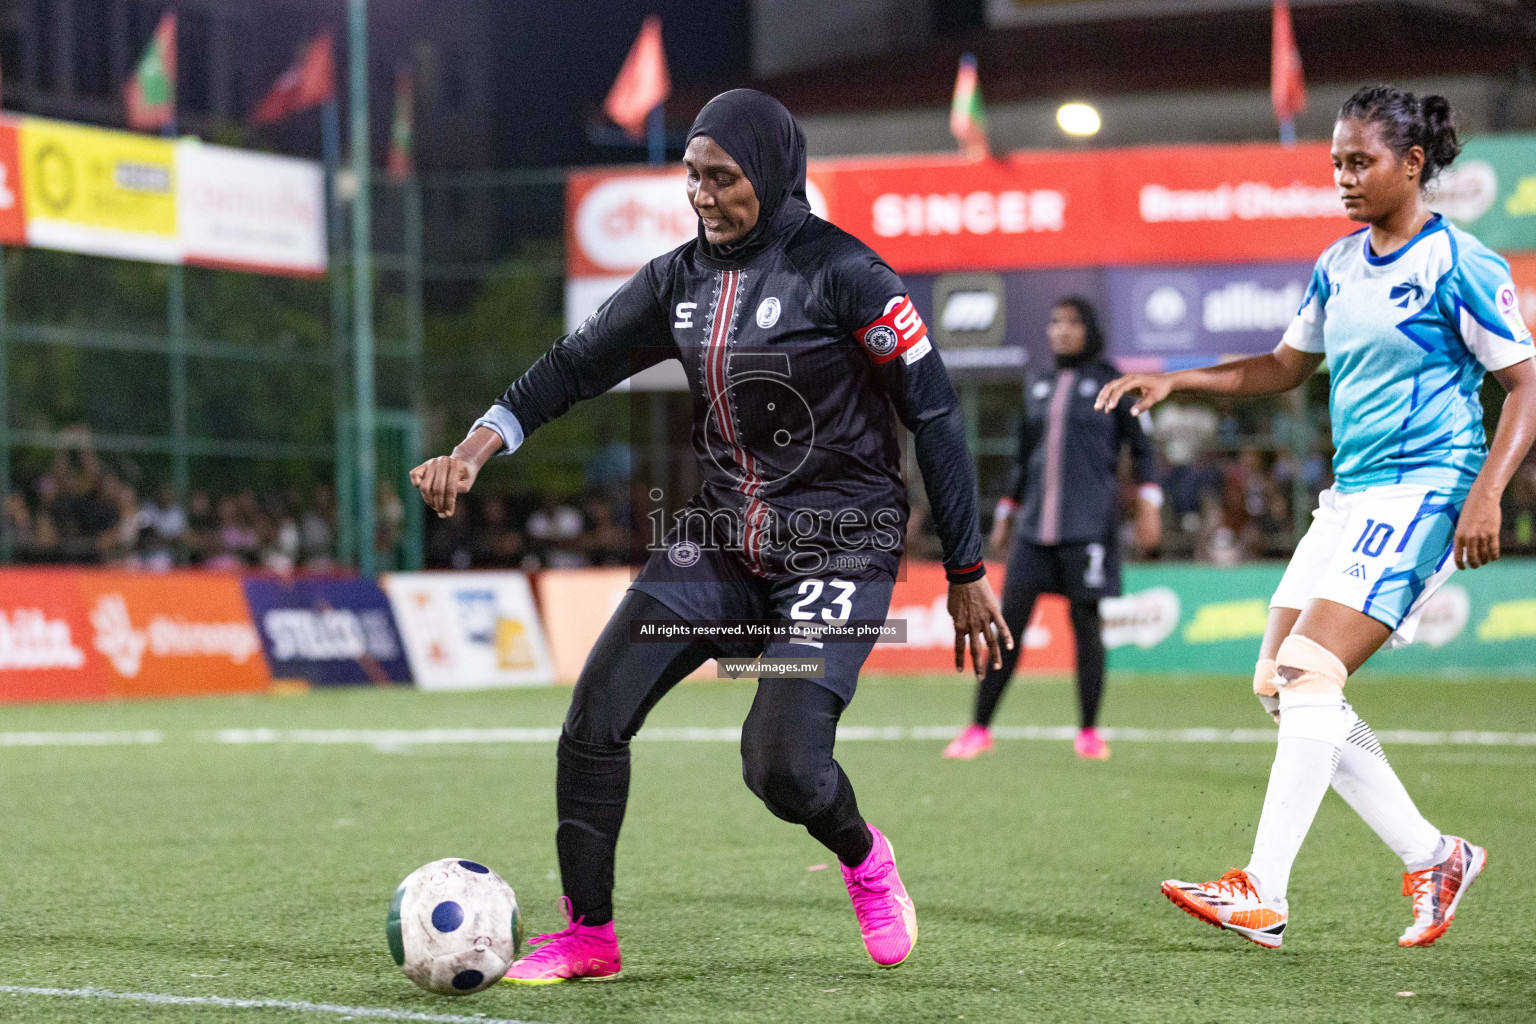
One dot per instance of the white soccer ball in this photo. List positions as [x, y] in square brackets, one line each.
[454, 927]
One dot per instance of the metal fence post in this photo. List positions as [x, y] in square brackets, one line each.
[336, 271]
[176, 325]
[362, 283]
[415, 329]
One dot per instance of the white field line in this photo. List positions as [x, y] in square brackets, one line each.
[80, 739]
[396, 738]
[292, 1006]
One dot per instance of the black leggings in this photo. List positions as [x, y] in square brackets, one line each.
[1087, 629]
[786, 754]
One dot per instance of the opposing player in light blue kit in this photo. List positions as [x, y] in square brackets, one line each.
[1410, 312]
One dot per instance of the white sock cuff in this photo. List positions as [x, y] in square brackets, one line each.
[1314, 717]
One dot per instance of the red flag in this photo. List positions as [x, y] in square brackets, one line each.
[310, 82]
[150, 94]
[643, 81]
[400, 162]
[1287, 89]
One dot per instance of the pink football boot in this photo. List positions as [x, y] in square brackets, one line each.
[1090, 745]
[579, 952]
[976, 739]
[887, 919]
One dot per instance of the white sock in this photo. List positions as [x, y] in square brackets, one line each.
[1312, 728]
[1367, 783]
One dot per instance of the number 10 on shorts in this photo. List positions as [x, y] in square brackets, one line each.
[1373, 539]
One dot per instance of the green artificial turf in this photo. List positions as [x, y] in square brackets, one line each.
[189, 867]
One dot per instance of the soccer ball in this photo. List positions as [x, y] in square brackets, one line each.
[454, 927]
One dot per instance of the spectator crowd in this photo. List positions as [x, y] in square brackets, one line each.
[1231, 496]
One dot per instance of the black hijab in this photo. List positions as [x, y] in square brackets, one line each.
[766, 141]
[1093, 334]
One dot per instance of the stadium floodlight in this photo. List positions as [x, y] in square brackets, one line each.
[1078, 119]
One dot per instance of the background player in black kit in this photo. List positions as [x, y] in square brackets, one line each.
[802, 350]
[1062, 506]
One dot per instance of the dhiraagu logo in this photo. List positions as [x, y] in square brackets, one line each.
[1228, 620]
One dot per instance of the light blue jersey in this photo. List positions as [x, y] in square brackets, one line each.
[1408, 337]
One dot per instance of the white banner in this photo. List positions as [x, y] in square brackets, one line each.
[469, 630]
[250, 211]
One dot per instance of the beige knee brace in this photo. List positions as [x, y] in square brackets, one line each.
[1303, 665]
[1264, 677]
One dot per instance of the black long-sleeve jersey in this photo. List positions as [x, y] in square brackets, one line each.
[1064, 478]
[800, 360]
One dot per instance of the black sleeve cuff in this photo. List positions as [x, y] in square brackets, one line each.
[968, 574]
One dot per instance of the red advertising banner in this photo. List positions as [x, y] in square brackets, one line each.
[173, 634]
[13, 217]
[920, 600]
[45, 639]
[83, 635]
[1178, 204]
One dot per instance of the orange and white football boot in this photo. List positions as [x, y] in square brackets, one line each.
[1232, 902]
[1436, 890]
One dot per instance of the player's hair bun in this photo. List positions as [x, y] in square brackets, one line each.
[1406, 121]
[1441, 145]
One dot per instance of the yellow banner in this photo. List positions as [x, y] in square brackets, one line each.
[93, 190]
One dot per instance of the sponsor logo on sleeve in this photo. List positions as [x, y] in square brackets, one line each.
[1509, 308]
[899, 331]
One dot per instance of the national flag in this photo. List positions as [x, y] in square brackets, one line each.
[309, 82]
[643, 81]
[400, 133]
[967, 117]
[1287, 88]
[150, 94]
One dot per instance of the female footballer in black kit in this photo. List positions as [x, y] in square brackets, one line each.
[802, 350]
[1062, 507]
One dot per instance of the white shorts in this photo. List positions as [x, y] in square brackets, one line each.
[1383, 551]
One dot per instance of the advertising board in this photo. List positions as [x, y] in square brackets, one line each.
[13, 214]
[45, 641]
[1202, 310]
[250, 211]
[172, 634]
[97, 191]
[921, 601]
[327, 630]
[470, 630]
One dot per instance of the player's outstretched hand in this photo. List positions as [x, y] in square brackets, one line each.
[1477, 531]
[442, 480]
[1152, 387]
[979, 625]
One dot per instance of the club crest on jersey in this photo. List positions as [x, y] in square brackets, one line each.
[881, 340]
[768, 312]
[683, 554]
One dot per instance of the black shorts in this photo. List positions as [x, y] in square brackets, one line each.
[714, 586]
[1079, 570]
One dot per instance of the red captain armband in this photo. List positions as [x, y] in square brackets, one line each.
[899, 332]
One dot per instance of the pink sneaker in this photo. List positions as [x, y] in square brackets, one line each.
[1090, 745]
[976, 739]
[887, 919]
[579, 952]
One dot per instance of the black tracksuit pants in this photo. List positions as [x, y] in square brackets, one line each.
[786, 754]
